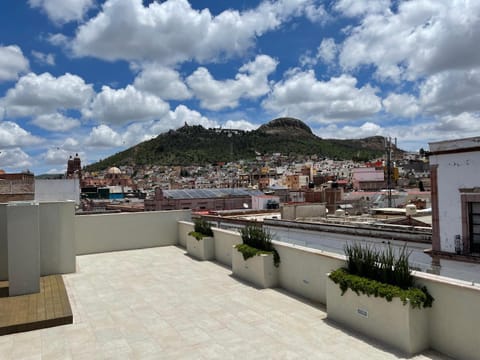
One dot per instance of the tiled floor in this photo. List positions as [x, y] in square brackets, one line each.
[161, 304]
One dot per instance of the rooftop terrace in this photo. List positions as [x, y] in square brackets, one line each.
[160, 303]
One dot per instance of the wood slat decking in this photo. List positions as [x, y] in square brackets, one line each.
[50, 307]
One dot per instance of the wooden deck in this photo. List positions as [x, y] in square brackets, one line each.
[50, 307]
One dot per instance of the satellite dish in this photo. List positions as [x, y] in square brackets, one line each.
[245, 205]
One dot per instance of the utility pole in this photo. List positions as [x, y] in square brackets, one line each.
[388, 149]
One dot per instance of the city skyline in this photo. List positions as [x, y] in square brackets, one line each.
[96, 77]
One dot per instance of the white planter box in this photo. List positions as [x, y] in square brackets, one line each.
[203, 249]
[258, 269]
[393, 323]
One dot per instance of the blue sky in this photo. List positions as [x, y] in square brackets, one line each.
[96, 77]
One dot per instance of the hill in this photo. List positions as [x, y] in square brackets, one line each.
[195, 145]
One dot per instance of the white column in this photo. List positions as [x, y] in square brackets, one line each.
[23, 237]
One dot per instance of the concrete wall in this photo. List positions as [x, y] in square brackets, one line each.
[294, 211]
[57, 190]
[303, 271]
[57, 238]
[455, 171]
[224, 241]
[3, 243]
[184, 227]
[127, 231]
[454, 317]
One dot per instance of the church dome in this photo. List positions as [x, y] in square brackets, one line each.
[114, 170]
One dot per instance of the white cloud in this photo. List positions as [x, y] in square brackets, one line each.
[125, 105]
[302, 95]
[14, 159]
[42, 94]
[178, 117]
[367, 129]
[250, 82]
[63, 11]
[12, 135]
[56, 156]
[451, 92]
[162, 81]
[103, 136]
[405, 105]
[240, 125]
[12, 63]
[44, 59]
[420, 38]
[55, 122]
[361, 7]
[327, 51]
[461, 125]
[70, 144]
[316, 14]
[58, 39]
[171, 31]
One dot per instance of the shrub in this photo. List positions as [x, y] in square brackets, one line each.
[256, 241]
[201, 229]
[380, 273]
[381, 265]
[417, 297]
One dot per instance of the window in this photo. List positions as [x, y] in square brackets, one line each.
[474, 226]
[470, 199]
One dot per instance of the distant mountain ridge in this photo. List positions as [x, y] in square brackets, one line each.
[195, 145]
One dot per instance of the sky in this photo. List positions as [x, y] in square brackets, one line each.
[96, 77]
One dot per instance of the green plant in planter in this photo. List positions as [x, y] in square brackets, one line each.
[256, 241]
[201, 229]
[380, 273]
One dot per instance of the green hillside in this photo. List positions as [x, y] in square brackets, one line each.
[195, 145]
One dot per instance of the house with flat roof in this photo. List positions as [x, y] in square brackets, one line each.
[454, 168]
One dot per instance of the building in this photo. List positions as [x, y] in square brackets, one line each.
[368, 179]
[454, 167]
[201, 199]
[74, 167]
[16, 187]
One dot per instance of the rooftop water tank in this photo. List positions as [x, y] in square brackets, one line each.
[410, 210]
[339, 212]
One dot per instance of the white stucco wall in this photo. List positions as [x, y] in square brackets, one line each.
[127, 231]
[454, 316]
[224, 241]
[3, 243]
[303, 271]
[57, 190]
[455, 171]
[184, 227]
[57, 238]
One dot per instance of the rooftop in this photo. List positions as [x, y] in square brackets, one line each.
[141, 304]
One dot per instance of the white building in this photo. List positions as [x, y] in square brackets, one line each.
[455, 182]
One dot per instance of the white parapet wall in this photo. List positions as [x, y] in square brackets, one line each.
[127, 231]
[303, 270]
[57, 238]
[224, 241]
[3, 243]
[23, 242]
[454, 316]
[184, 227]
[451, 321]
[391, 322]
